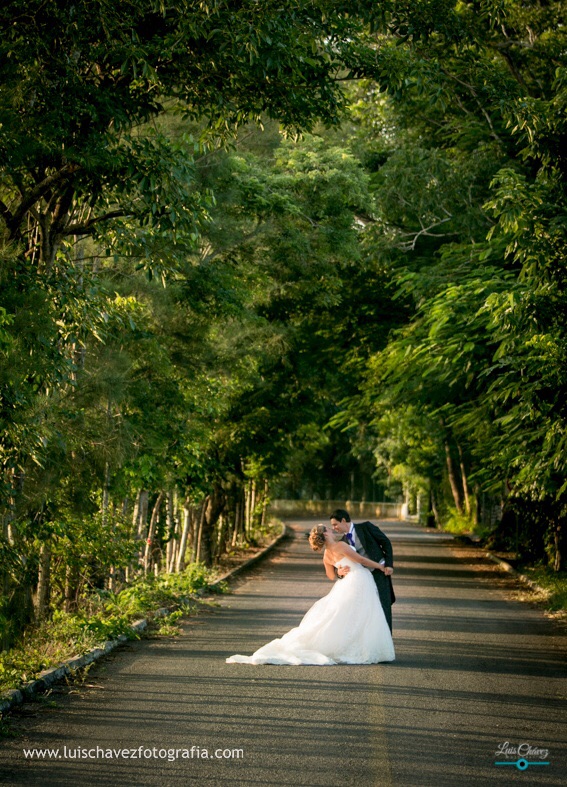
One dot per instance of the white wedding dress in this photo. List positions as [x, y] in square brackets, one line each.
[347, 626]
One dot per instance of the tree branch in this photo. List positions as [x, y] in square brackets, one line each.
[474, 94]
[409, 245]
[5, 212]
[210, 253]
[61, 211]
[86, 227]
[363, 221]
[37, 192]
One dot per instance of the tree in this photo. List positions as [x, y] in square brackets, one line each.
[461, 125]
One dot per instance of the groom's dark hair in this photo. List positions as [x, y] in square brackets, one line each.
[340, 514]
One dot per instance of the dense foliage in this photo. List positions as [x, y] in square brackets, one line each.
[196, 309]
[471, 207]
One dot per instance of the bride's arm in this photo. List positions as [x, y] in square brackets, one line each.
[329, 566]
[346, 551]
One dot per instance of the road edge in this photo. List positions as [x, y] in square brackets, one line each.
[511, 570]
[49, 677]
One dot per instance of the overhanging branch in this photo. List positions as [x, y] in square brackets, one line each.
[29, 199]
[86, 227]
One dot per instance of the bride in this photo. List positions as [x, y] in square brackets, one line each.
[347, 626]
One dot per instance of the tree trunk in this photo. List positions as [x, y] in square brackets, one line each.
[477, 511]
[142, 522]
[236, 530]
[214, 505]
[179, 513]
[171, 528]
[151, 533]
[171, 556]
[558, 557]
[264, 503]
[199, 539]
[221, 539]
[71, 581]
[136, 514]
[105, 495]
[43, 581]
[253, 522]
[465, 481]
[7, 537]
[248, 508]
[242, 514]
[453, 479]
[434, 509]
[106, 485]
[187, 518]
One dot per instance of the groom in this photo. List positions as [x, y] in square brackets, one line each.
[370, 542]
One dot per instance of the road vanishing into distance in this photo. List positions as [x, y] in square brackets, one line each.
[477, 674]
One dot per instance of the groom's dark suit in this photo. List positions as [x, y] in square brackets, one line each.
[377, 546]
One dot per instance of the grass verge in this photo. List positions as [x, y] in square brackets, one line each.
[554, 583]
[102, 616]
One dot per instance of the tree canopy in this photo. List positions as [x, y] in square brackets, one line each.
[253, 249]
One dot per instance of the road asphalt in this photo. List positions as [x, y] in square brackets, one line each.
[479, 679]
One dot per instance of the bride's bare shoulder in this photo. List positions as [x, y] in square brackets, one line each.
[338, 550]
[341, 547]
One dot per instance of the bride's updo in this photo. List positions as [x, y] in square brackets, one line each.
[317, 538]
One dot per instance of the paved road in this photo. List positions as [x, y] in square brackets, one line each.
[474, 670]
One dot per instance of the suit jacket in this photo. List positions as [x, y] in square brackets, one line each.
[377, 546]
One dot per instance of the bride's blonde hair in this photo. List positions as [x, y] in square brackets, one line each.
[317, 537]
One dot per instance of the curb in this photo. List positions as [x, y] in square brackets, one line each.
[511, 570]
[50, 676]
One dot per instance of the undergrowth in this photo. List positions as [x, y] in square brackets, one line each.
[102, 615]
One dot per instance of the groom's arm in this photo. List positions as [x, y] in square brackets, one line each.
[384, 543]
